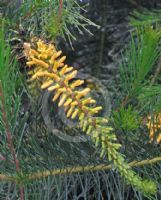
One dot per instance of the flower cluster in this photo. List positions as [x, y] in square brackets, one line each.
[48, 65]
[154, 126]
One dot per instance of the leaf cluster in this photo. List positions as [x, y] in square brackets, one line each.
[52, 19]
[126, 119]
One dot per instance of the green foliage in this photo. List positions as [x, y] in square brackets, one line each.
[110, 147]
[126, 119]
[145, 18]
[47, 17]
[11, 125]
[150, 97]
[9, 78]
[139, 59]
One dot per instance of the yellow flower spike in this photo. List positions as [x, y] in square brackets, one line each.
[77, 83]
[71, 76]
[52, 64]
[54, 87]
[40, 62]
[48, 59]
[75, 113]
[62, 99]
[46, 84]
[83, 93]
[70, 111]
[67, 103]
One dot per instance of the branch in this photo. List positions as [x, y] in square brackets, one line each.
[71, 170]
[8, 136]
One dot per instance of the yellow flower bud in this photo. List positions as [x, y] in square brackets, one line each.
[67, 102]
[70, 111]
[85, 124]
[34, 52]
[52, 75]
[74, 103]
[77, 83]
[81, 116]
[88, 101]
[89, 130]
[56, 96]
[62, 59]
[37, 74]
[62, 99]
[58, 54]
[46, 84]
[95, 110]
[62, 90]
[159, 138]
[52, 60]
[30, 63]
[70, 76]
[75, 113]
[69, 69]
[54, 87]
[62, 72]
[40, 62]
[83, 93]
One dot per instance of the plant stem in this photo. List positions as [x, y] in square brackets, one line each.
[8, 135]
[77, 169]
[60, 9]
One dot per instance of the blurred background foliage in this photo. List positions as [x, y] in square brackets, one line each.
[97, 54]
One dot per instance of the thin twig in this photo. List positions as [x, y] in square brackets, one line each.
[8, 135]
[78, 169]
[60, 9]
[71, 170]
